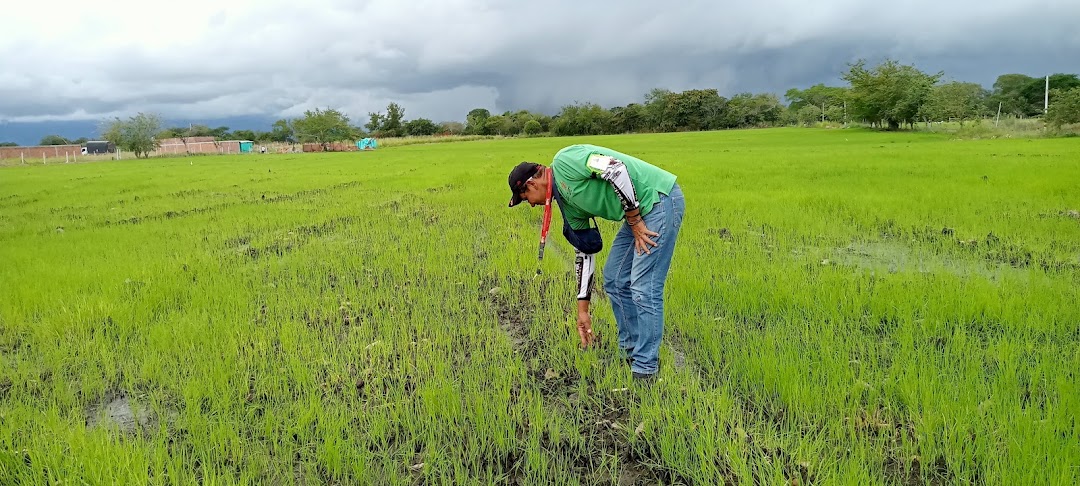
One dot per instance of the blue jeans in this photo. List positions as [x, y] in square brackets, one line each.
[635, 283]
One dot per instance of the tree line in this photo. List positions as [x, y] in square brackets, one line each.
[889, 95]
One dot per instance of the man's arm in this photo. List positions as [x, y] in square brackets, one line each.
[587, 243]
[585, 265]
[585, 268]
[614, 171]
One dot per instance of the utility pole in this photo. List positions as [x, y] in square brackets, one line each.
[1046, 96]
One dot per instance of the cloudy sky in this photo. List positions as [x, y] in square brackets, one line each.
[63, 60]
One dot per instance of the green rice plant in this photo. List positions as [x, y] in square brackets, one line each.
[845, 307]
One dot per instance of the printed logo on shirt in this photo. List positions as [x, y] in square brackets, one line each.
[600, 162]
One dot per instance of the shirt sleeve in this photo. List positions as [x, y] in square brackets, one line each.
[585, 268]
[614, 171]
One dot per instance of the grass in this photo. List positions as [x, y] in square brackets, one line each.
[1007, 127]
[845, 307]
[38, 161]
[429, 139]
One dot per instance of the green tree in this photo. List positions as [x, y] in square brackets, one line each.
[544, 120]
[583, 119]
[220, 132]
[262, 136]
[808, 115]
[173, 132]
[54, 140]
[375, 120]
[890, 93]
[323, 126]
[136, 134]
[750, 110]
[835, 113]
[1008, 94]
[955, 100]
[659, 110]
[8, 144]
[695, 109]
[420, 126]
[80, 141]
[1035, 91]
[475, 121]
[828, 100]
[451, 128]
[392, 124]
[1064, 107]
[817, 95]
[628, 119]
[532, 127]
[243, 135]
[282, 131]
[197, 130]
[518, 120]
[498, 125]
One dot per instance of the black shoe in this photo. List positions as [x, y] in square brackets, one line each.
[644, 377]
[630, 362]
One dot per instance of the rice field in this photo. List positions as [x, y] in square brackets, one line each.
[844, 307]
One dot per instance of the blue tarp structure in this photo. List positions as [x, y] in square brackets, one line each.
[367, 144]
[245, 146]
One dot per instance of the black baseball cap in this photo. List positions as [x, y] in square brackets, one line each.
[518, 176]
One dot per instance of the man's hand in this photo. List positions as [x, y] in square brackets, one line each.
[584, 329]
[641, 236]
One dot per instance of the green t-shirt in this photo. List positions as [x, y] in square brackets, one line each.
[585, 195]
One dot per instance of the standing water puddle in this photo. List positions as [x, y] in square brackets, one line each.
[892, 257]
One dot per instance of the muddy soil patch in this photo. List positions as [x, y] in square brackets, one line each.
[910, 471]
[676, 343]
[121, 412]
[894, 257]
[603, 416]
[308, 192]
[513, 311]
[293, 239]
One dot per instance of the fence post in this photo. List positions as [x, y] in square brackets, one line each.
[22, 157]
[43, 158]
[66, 160]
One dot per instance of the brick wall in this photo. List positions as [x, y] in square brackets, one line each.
[329, 147]
[49, 151]
[197, 145]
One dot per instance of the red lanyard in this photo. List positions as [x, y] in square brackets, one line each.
[547, 214]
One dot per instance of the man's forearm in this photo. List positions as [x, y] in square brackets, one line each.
[583, 306]
[584, 267]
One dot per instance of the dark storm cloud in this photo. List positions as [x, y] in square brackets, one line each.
[439, 59]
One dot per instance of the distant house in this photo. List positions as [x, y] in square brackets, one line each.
[98, 147]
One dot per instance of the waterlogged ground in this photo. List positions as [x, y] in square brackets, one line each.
[844, 307]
